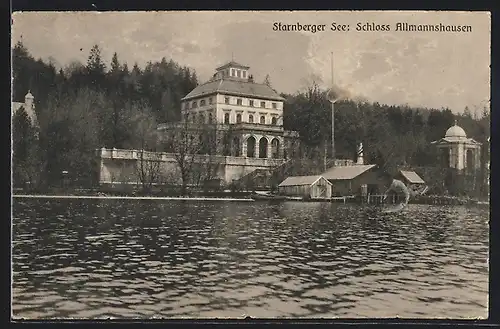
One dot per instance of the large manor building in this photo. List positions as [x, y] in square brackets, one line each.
[242, 119]
[247, 115]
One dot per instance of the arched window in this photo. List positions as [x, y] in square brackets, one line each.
[262, 119]
[250, 118]
[186, 117]
[445, 157]
[193, 118]
[227, 145]
[251, 147]
[275, 147]
[274, 120]
[210, 117]
[226, 118]
[202, 118]
[470, 160]
[263, 148]
[238, 118]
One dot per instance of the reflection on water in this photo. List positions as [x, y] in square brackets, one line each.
[143, 259]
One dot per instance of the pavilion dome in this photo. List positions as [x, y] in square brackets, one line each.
[455, 132]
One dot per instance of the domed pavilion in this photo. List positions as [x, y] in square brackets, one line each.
[457, 151]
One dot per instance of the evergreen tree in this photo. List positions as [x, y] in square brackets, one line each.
[96, 69]
[115, 64]
[95, 63]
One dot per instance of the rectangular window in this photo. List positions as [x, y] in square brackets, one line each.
[226, 100]
[262, 104]
[238, 73]
[239, 101]
[251, 102]
[244, 74]
[274, 106]
[210, 100]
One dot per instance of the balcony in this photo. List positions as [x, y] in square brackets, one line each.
[257, 126]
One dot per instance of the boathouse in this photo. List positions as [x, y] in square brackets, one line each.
[308, 187]
[351, 180]
[413, 181]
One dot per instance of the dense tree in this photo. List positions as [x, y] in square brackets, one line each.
[26, 152]
[84, 107]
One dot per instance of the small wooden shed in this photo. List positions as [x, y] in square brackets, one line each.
[352, 180]
[309, 187]
[413, 181]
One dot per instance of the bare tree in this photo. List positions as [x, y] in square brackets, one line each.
[181, 140]
[192, 144]
[143, 124]
[148, 169]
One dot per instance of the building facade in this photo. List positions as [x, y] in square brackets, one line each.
[229, 120]
[249, 114]
[457, 151]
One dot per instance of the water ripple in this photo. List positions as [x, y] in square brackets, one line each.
[147, 259]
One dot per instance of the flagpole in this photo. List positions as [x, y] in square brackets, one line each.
[333, 116]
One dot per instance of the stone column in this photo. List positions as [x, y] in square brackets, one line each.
[269, 149]
[257, 146]
[460, 156]
[243, 149]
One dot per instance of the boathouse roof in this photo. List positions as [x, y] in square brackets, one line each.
[301, 180]
[228, 86]
[412, 177]
[346, 172]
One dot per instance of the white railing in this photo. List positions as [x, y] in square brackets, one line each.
[164, 156]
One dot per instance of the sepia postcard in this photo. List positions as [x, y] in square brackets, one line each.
[262, 164]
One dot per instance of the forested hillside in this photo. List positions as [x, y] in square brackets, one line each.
[86, 106]
[83, 107]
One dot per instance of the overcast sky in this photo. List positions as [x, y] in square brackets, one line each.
[431, 69]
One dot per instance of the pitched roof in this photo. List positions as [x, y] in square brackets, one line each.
[412, 177]
[300, 180]
[232, 64]
[346, 172]
[235, 87]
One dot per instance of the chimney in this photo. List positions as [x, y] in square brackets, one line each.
[360, 160]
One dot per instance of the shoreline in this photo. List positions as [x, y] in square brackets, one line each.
[43, 196]
[215, 199]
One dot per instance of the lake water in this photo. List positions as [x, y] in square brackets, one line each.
[178, 259]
